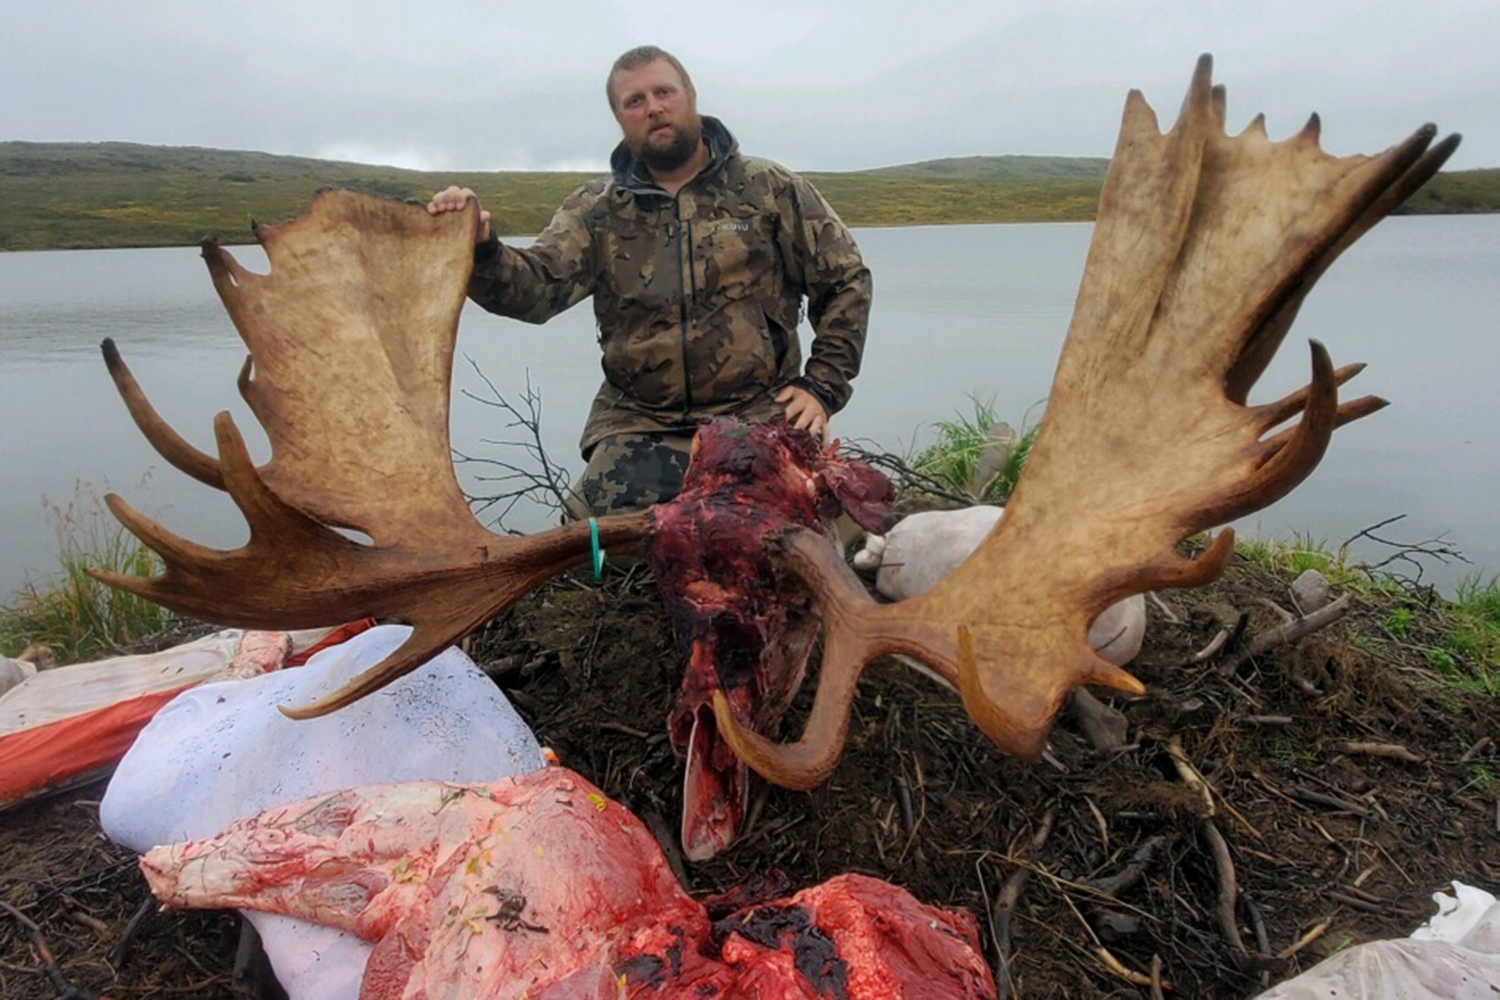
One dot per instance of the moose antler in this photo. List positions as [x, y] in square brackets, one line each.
[351, 340]
[1204, 248]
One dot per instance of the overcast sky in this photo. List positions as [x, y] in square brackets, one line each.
[838, 85]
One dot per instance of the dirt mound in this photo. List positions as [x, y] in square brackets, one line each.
[1339, 777]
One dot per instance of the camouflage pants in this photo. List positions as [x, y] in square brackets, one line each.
[630, 472]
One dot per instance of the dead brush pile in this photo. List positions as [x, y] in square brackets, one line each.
[1254, 812]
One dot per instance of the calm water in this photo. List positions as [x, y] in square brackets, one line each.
[969, 310]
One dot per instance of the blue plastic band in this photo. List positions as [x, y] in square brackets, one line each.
[598, 552]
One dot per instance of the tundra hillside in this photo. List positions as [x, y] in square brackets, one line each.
[57, 196]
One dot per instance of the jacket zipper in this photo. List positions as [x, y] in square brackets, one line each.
[685, 288]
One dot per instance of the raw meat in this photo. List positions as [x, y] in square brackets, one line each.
[540, 887]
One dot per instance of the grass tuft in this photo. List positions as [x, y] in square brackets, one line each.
[1472, 637]
[964, 444]
[75, 615]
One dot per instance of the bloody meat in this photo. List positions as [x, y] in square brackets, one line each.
[747, 630]
[540, 887]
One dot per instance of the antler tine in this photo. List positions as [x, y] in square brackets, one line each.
[167, 442]
[1283, 464]
[1406, 167]
[421, 646]
[358, 427]
[446, 603]
[1288, 406]
[847, 647]
[173, 549]
[1204, 247]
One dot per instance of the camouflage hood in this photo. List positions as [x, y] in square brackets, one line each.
[697, 296]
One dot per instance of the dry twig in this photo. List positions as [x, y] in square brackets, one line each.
[1228, 887]
[1480, 745]
[1286, 634]
[1302, 942]
[65, 989]
[1406, 552]
[1394, 750]
[1162, 606]
[1119, 970]
[1005, 906]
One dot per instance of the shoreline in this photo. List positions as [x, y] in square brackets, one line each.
[1020, 220]
[97, 196]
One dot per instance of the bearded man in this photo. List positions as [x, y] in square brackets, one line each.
[698, 259]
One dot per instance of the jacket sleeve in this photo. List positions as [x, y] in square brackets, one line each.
[824, 260]
[554, 273]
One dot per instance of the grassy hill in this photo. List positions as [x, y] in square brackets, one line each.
[1457, 193]
[999, 168]
[112, 194]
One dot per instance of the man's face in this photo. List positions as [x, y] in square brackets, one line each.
[657, 115]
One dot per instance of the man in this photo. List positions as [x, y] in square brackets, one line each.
[698, 260]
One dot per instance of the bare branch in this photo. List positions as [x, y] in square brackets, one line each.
[1408, 553]
[1287, 633]
[541, 482]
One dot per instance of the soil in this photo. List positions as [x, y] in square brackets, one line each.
[1118, 844]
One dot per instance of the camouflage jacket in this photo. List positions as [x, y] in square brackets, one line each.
[698, 296]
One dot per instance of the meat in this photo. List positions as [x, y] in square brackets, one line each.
[747, 631]
[540, 887]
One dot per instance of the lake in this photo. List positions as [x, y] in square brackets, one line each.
[960, 311]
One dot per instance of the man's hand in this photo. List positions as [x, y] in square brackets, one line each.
[803, 410]
[453, 199]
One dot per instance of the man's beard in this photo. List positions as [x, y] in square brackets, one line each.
[684, 144]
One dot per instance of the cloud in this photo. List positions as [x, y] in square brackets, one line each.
[834, 85]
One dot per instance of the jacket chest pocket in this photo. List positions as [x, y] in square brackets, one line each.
[734, 256]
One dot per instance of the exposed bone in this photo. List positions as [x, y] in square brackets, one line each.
[351, 339]
[1204, 247]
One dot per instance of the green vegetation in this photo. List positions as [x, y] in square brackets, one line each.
[874, 200]
[75, 615]
[1457, 193]
[1302, 552]
[56, 196]
[968, 457]
[1000, 168]
[77, 195]
[1469, 650]
[1459, 639]
[1398, 622]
